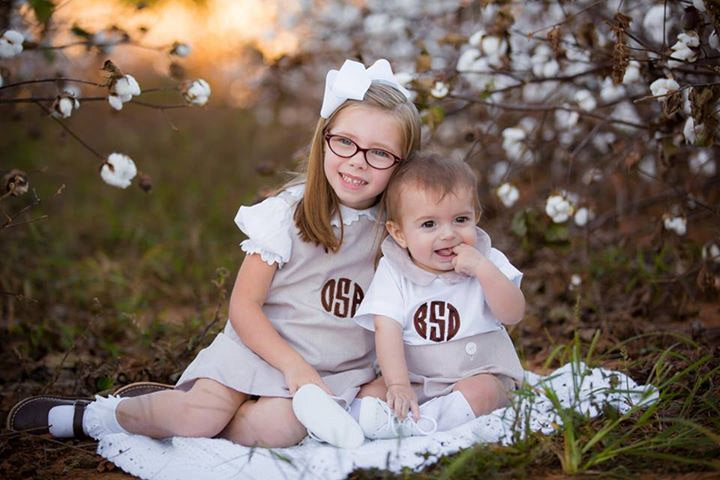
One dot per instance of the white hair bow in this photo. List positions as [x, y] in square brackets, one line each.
[352, 81]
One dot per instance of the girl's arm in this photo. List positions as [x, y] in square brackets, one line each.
[391, 357]
[506, 300]
[255, 330]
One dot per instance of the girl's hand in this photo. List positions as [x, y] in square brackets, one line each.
[401, 398]
[468, 260]
[301, 374]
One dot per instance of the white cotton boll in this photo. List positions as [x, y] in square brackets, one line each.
[476, 38]
[585, 100]
[467, 60]
[115, 102]
[603, 141]
[714, 41]
[498, 172]
[691, 131]
[125, 87]
[64, 106]
[593, 175]
[494, 46]
[699, 4]
[181, 50]
[521, 61]
[377, 24]
[508, 194]
[689, 38]
[539, 92]
[711, 252]
[675, 224]
[663, 86]
[566, 119]
[575, 281]
[583, 216]
[632, 72]
[547, 69]
[197, 93]
[609, 92]
[118, 170]
[558, 208]
[702, 164]
[11, 44]
[626, 112]
[440, 90]
[528, 124]
[681, 53]
[653, 22]
[648, 166]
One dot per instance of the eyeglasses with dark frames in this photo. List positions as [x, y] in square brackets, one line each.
[377, 158]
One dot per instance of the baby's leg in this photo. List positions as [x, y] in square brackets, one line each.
[484, 393]
[203, 411]
[376, 388]
[265, 422]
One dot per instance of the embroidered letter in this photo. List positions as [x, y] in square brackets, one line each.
[341, 297]
[442, 317]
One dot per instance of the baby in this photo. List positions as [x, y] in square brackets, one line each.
[439, 303]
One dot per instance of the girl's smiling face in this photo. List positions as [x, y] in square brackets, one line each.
[430, 226]
[356, 183]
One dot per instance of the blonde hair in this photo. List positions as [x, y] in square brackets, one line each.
[319, 202]
[433, 173]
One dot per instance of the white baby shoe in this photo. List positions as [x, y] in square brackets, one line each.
[377, 421]
[325, 419]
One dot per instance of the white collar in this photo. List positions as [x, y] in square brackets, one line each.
[351, 215]
[399, 258]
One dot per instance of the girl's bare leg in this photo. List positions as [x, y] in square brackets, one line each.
[203, 411]
[266, 422]
[484, 393]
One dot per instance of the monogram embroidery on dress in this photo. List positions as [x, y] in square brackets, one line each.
[437, 321]
[341, 297]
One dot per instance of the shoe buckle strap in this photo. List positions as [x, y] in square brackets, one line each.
[78, 419]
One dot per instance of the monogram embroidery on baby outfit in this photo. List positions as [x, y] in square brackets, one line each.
[437, 321]
[341, 297]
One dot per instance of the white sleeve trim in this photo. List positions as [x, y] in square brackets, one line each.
[268, 228]
[503, 264]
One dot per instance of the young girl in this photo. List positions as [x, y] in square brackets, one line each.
[309, 257]
[442, 291]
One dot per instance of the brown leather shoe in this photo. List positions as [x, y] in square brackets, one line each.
[141, 388]
[31, 414]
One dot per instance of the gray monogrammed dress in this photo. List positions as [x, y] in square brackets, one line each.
[311, 301]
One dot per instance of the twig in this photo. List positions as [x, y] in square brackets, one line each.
[68, 130]
[52, 80]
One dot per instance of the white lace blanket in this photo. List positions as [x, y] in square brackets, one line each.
[576, 386]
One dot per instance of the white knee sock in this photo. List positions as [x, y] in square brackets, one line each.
[449, 411]
[98, 419]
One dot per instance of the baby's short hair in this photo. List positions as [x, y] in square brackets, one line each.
[431, 172]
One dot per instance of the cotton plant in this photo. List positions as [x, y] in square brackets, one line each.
[508, 194]
[11, 44]
[684, 49]
[662, 87]
[122, 89]
[118, 170]
[583, 215]
[675, 223]
[559, 207]
[197, 92]
[180, 49]
[65, 104]
[440, 90]
[711, 252]
[701, 163]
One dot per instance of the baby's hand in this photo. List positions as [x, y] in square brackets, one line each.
[302, 374]
[401, 398]
[468, 260]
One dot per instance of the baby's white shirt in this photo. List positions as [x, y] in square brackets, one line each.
[431, 307]
[269, 224]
